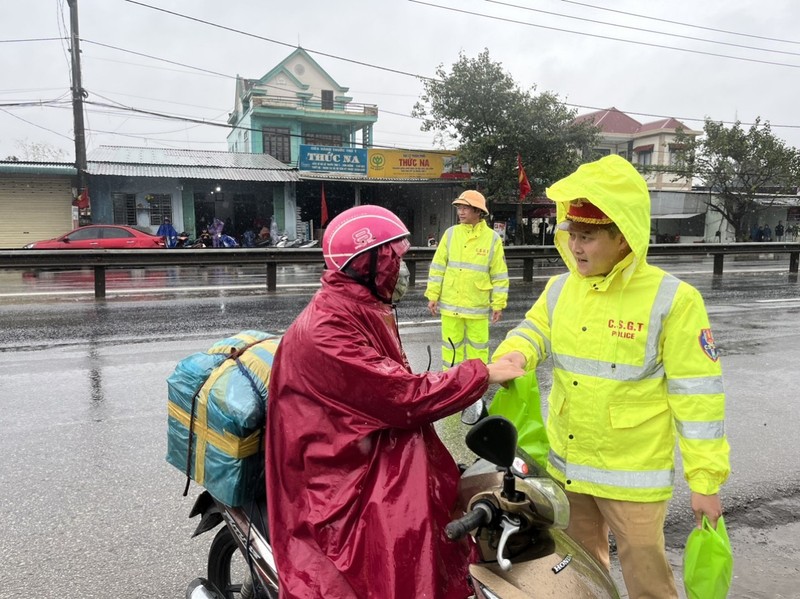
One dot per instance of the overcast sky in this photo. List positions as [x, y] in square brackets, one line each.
[570, 48]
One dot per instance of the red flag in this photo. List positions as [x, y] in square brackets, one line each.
[82, 202]
[524, 184]
[323, 210]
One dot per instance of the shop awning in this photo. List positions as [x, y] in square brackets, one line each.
[647, 148]
[675, 215]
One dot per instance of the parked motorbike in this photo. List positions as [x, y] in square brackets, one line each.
[283, 242]
[514, 510]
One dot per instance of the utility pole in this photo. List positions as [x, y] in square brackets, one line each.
[77, 96]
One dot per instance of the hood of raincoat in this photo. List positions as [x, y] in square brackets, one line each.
[615, 186]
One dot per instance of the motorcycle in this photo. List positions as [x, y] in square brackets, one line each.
[515, 512]
[299, 242]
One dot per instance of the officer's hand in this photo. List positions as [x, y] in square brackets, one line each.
[503, 371]
[496, 316]
[515, 357]
[710, 505]
[432, 307]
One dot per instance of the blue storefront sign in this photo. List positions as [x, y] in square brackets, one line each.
[332, 159]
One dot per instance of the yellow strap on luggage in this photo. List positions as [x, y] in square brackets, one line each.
[235, 447]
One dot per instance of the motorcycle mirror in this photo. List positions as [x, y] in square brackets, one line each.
[472, 414]
[494, 439]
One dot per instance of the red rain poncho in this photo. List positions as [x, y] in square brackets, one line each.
[359, 485]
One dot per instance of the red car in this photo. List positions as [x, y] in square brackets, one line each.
[102, 237]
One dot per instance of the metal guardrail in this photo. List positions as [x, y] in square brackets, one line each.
[100, 260]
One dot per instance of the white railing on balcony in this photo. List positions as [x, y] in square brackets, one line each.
[314, 105]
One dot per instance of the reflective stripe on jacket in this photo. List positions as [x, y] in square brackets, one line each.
[468, 274]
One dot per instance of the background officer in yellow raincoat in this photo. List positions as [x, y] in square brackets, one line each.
[468, 282]
[634, 364]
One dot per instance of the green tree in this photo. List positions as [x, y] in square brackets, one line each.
[491, 119]
[746, 171]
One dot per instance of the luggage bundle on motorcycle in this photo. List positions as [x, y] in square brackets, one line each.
[218, 399]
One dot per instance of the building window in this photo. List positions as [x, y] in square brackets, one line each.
[323, 139]
[644, 158]
[160, 205]
[277, 143]
[327, 99]
[124, 207]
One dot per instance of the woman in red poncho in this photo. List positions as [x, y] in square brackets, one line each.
[359, 485]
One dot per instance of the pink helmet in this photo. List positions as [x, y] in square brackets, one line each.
[358, 230]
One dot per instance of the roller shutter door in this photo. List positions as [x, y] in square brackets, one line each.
[34, 208]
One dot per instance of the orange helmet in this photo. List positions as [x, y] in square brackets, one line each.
[472, 198]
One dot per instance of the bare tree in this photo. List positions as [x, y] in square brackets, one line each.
[30, 151]
[745, 171]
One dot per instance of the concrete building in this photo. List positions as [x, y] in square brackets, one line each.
[296, 103]
[679, 213]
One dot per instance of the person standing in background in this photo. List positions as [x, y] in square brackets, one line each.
[168, 232]
[779, 231]
[468, 282]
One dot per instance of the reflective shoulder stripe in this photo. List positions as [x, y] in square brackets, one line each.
[553, 293]
[707, 385]
[662, 304]
[495, 238]
[627, 479]
[701, 430]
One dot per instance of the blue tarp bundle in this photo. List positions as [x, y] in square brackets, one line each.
[228, 386]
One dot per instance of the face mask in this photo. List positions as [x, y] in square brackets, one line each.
[401, 286]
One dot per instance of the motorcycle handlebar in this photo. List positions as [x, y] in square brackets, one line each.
[479, 515]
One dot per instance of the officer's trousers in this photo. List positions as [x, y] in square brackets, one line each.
[639, 531]
[464, 339]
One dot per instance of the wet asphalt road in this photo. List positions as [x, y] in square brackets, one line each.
[93, 510]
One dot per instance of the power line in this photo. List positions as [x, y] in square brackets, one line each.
[677, 35]
[272, 41]
[598, 36]
[681, 23]
[151, 57]
[188, 66]
[32, 39]
[196, 121]
[681, 118]
[36, 125]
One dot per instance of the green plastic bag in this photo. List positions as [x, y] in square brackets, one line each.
[521, 404]
[708, 562]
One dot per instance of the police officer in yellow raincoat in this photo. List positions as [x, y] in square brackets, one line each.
[468, 282]
[634, 365]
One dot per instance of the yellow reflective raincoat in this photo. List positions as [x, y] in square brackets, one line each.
[468, 274]
[634, 360]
